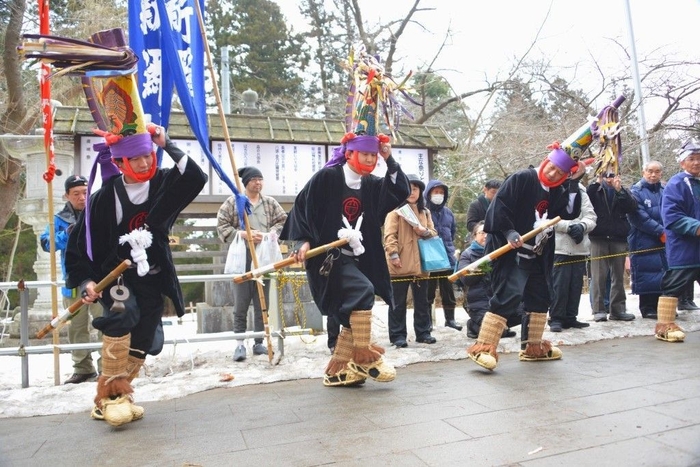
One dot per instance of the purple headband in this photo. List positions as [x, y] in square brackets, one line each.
[562, 160]
[363, 143]
[130, 146]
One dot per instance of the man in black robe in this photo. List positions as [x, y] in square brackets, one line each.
[344, 196]
[130, 217]
[525, 200]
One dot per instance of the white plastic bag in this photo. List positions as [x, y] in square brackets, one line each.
[235, 259]
[268, 250]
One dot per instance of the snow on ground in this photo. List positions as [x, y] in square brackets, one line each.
[187, 368]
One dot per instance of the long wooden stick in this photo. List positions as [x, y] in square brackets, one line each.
[255, 273]
[229, 147]
[473, 267]
[78, 304]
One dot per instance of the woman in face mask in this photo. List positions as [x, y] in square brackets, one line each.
[436, 194]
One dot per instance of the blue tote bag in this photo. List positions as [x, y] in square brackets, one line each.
[433, 255]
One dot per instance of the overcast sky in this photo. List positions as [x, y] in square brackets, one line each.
[488, 36]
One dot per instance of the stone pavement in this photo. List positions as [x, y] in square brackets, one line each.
[631, 401]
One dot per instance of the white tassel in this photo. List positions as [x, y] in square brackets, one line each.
[139, 239]
[542, 237]
[354, 236]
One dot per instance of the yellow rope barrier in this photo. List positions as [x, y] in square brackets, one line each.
[296, 282]
[299, 310]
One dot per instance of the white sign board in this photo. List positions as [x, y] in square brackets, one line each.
[412, 161]
[285, 167]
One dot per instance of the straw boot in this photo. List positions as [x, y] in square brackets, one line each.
[666, 328]
[112, 402]
[367, 357]
[337, 372]
[483, 352]
[134, 365]
[534, 348]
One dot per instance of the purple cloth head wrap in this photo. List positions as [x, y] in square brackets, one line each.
[562, 160]
[362, 143]
[130, 146]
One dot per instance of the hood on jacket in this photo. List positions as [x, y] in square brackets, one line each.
[432, 184]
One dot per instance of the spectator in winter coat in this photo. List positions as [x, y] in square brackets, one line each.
[403, 258]
[571, 250]
[680, 211]
[477, 209]
[444, 221]
[646, 239]
[79, 330]
[478, 287]
[611, 203]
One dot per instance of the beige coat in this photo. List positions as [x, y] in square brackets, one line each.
[399, 238]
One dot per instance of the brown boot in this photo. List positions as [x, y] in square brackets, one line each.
[483, 352]
[112, 402]
[133, 368]
[537, 349]
[367, 357]
[337, 372]
[666, 328]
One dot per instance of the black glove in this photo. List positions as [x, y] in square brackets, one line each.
[576, 232]
[573, 186]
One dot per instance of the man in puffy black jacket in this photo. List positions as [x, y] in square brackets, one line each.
[611, 202]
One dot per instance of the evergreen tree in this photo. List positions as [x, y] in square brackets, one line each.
[264, 55]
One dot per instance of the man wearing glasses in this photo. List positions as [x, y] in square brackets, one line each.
[611, 203]
[266, 217]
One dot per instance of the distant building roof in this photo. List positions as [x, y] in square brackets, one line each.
[78, 121]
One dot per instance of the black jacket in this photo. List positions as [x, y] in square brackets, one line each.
[612, 208]
[476, 212]
[479, 292]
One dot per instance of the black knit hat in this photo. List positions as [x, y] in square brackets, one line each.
[74, 181]
[247, 173]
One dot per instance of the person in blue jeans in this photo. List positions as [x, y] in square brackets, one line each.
[266, 217]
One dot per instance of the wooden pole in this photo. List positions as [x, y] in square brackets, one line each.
[227, 138]
[473, 267]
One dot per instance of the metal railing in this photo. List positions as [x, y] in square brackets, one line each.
[24, 349]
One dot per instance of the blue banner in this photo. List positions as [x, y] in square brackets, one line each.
[165, 35]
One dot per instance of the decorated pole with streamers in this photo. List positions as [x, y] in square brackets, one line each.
[47, 115]
[605, 130]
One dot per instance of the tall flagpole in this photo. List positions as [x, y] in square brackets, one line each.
[637, 86]
[47, 114]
